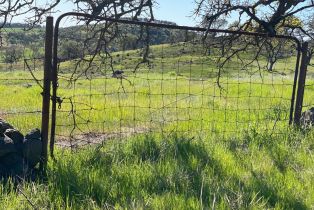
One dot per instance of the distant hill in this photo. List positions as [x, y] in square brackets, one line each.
[18, 25]
[72, 38]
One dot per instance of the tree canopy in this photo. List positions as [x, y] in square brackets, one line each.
[268, 15]
[273, 17]
[292, 17]
[36, 10]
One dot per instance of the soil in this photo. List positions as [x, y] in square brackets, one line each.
[97, 138]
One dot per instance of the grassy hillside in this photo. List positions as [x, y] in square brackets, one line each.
[177, 91]
[30, 43]
[183, 159]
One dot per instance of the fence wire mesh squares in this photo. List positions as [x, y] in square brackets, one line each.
[21, 88]
[122, 80]
[309, 88]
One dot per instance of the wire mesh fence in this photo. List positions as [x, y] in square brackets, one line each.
[21, 88]
[21, 70]
[309, 88]
[169, 81]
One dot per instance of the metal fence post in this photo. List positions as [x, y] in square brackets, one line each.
[54, 81]
[301, 84]
[46, 92]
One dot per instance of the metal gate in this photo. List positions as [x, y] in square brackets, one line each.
[203, 95]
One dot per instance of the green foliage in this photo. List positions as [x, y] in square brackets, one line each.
[25, 38]
[12, 54]
[69, 50]
[71, 39]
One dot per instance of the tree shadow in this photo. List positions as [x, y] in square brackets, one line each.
[193, 169]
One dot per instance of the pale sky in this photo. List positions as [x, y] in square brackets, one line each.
[178, 11]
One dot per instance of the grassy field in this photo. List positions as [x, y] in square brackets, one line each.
[198, 145]
[178, 93]
[256, 171]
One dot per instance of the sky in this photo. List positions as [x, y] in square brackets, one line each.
[178, 11]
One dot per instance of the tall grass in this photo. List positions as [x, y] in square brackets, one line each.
[256, 171]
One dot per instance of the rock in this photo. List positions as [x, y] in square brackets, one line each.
[15, 135]
[4, 126]
[17, 138]
[18, 155]
[6, 146]
[1, 166]
[2, 169]
[33, 134]
[28, 85]
[32, 147]
[14, 164]
[307, 119]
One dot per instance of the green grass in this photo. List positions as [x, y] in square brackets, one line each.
[178, 92]
[20, 99]
[153, 101]
[203, 146]
[256, 171]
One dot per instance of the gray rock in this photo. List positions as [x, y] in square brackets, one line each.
[17, 138]
[18, 155]
[307, 119]
[2, 169]
[4, 126]
[6, 146]
[33, 134]
[14, 164]
[32, 147]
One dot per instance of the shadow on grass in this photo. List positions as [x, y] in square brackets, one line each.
[149, 167]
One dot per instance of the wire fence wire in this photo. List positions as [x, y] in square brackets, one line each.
[308, 101]
[21, 88]
[21, 70]
[167, 81]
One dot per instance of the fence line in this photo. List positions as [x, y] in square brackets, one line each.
[174, 91]
[21, 93]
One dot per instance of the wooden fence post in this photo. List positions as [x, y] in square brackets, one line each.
[46, 92]
[301, 84]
